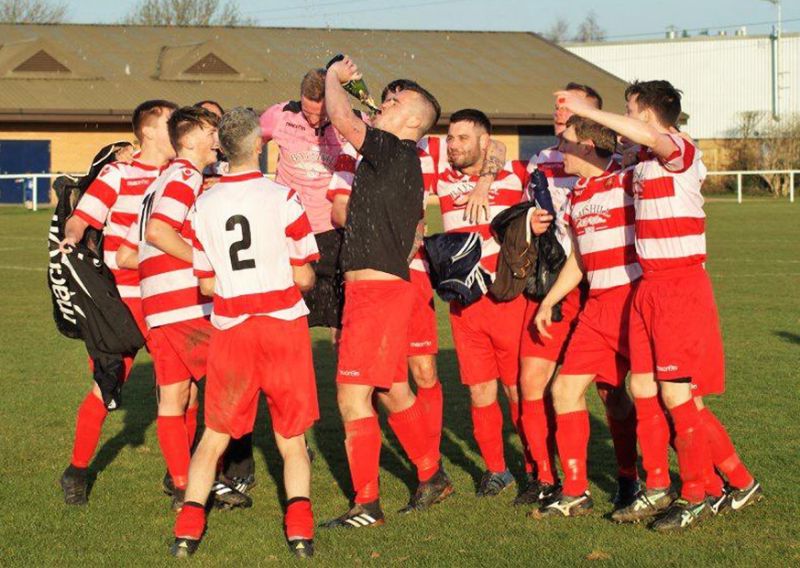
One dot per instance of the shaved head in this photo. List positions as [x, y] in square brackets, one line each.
[423, 108]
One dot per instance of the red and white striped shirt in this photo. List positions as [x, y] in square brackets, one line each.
[342, 184]
[507, 190]
[670, 222]
[600, 213]
[111, 204]
[248, 232]
[170, 290]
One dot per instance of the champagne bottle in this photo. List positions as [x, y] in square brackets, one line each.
[356, 87]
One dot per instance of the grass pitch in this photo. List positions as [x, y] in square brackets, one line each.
[754, 261]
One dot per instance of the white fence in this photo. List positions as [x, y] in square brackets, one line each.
[741, 173]
[29, 181]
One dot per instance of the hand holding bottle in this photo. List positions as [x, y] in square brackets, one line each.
[348, 74]
[345, 69]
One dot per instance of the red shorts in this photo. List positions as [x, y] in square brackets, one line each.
[552, 349]
[599, 344]
[373, 349]
[180, 350]
[422, 329]
[674, 329]
[486, 335]
[261, 354]
[135, 307]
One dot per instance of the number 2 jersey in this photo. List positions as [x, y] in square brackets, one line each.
[248, 233]
[170, 290]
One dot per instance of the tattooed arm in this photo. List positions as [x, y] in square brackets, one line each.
[477, 201]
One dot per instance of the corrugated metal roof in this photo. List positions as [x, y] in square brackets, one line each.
[510, 76]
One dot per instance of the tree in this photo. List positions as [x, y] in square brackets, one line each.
[590, 29]
[31, 12]
[558, 32]
[764, 144]
[186, 13]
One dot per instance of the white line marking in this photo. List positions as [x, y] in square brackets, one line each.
[26, 268]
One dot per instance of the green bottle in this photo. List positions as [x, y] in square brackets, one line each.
[356, 87]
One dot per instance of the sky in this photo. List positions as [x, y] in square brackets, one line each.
[620, 19]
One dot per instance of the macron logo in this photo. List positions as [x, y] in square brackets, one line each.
[667, 368]
[350, 373]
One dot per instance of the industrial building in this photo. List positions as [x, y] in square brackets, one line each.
[721, 77]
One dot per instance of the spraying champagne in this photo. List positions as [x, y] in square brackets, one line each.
[356, 87]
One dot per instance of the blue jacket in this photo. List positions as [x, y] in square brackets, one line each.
[455, 269]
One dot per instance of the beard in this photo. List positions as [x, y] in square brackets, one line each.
[464, 159]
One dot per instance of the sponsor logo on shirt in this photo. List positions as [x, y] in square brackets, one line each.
[465, 186]
[592, 217]
[350, 372]
[316, 162]
[666, 368]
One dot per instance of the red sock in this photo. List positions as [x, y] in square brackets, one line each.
[653, 432]
[191, 521]
[711, 480]
[191, 423]
[174, 443]
[690, 444]
[299, 519]
[572, 436]
[411, 430]
[432, 403]
[487, 427]
[539, 436]
[515, 420]
[91, 415]
[623, 434]
[363, 445]
[723, 453]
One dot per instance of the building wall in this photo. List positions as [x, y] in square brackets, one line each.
[720, 77]
[72, 149]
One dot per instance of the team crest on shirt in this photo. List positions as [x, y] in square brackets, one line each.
[186, 173]
[104, 171]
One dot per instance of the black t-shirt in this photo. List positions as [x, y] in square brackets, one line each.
[385, 205]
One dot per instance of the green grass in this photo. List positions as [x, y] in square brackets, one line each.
[755, 265]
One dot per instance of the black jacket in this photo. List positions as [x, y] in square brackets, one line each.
[107, 327]
[546, 251]
[86, 303]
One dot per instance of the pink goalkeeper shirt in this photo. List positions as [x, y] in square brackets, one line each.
[306, 160]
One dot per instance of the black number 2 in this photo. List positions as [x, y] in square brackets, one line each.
[238, 246]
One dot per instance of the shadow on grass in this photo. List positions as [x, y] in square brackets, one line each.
[788, 336]
[458, 444]
[138, 411]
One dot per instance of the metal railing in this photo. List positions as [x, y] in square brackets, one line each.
[33, 185]
[740, 173]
